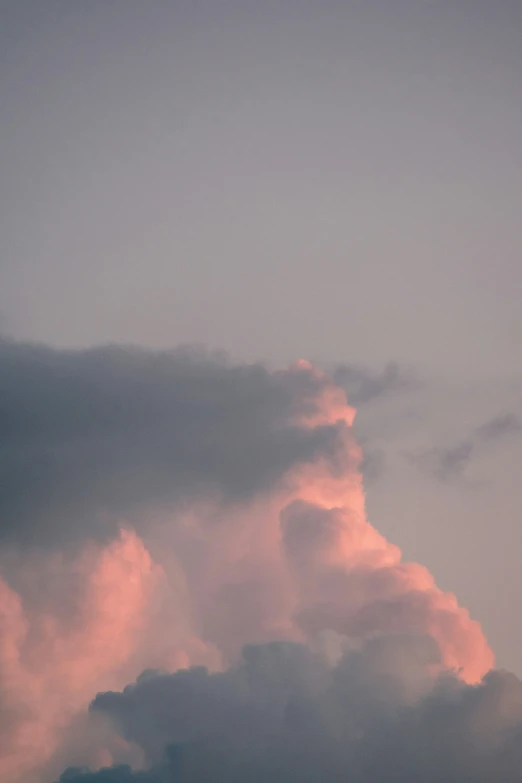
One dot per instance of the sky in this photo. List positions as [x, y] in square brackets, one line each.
[194, 197]
[174, 171]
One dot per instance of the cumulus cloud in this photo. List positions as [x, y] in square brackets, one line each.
[87, 435]
[383, 713]
[238, 532]
[60, 641]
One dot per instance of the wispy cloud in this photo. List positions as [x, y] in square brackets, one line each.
[450, 463]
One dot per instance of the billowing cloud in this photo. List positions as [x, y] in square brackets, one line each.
[73, 626]
[383, 713]
[237, 532]
[88, 435]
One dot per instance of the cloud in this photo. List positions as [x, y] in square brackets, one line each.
[238, 523]
[503, 424]
[373, 466]
[449, 463]
[396, 385]
[118, 774]
[364, 385]
[380, 714]
[90, 435]
[58, 645]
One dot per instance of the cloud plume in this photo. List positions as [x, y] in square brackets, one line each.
[193, 513]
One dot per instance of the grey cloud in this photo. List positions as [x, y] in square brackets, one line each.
[451, 462]
[120, 774]
[503, 424]
[363, 384]
[373, 464]
[86, 434]
[284, 714]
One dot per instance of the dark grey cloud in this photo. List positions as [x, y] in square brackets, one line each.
[87, 434]
[284, 714]
[119, 774]
[449, 463]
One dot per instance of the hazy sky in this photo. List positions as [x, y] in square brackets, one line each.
[327, 179]
[334, 180]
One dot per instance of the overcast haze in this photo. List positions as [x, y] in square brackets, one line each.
[333, 181]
